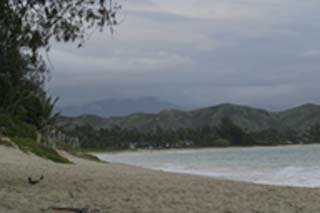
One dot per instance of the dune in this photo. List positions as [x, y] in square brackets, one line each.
[111, 187]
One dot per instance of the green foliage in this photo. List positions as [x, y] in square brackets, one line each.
[224, 135]
[237, 137]
[34, 23]
[312, 134]
[227, 134]
[271, 137]
[39, 111]
[12, 127]
[30, 145]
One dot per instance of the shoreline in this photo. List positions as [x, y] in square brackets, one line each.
[289, 174]
[216, 178]
[116, 187]
[106, 151]
[193, 173]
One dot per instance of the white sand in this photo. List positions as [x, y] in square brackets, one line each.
[121, 188]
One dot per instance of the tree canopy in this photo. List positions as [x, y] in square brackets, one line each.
[26, 26]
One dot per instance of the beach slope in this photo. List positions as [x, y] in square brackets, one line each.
[117, 188]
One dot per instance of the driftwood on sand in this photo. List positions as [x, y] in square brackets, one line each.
[76, 210]
[33, 182]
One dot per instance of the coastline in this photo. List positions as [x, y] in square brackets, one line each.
[116, 151]
[117, 187]
[288, 170]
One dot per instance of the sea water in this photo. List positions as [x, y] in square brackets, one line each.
[282, 165]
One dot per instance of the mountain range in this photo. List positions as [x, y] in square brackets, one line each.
[248, 118]
[118, 107]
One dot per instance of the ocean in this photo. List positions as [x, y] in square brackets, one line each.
[282, 165]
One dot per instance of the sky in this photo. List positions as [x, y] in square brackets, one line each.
[195, 53]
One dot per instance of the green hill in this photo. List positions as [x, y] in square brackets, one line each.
[248, 118]
[301, 117]
[243, 116]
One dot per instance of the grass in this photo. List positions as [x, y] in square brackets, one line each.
[30, 145]
[23, 135]
[5, 143]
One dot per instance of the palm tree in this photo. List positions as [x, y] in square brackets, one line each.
[40, 114]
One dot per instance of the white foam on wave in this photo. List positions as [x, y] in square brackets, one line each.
[289, 176]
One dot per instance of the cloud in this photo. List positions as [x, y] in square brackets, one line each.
[121, 62]
[198, 52]
[311, 53]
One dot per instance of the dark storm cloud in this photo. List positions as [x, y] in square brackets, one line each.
[262, 53]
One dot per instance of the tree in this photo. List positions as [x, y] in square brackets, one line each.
[26, 26]
[32, 23]
[29, 25]
[312, 134]
[234, 134]
[269, 137]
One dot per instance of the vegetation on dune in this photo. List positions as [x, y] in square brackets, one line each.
[6, 142]
[13, 127]
[29, 145]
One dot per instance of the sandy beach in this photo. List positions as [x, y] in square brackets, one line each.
[112, 187]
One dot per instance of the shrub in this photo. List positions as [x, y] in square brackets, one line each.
[13, 127]
[221, 142]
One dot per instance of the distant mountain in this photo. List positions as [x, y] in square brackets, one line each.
[246, 117]
[118, 107]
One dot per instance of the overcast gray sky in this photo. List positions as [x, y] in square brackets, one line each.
[263, 53]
